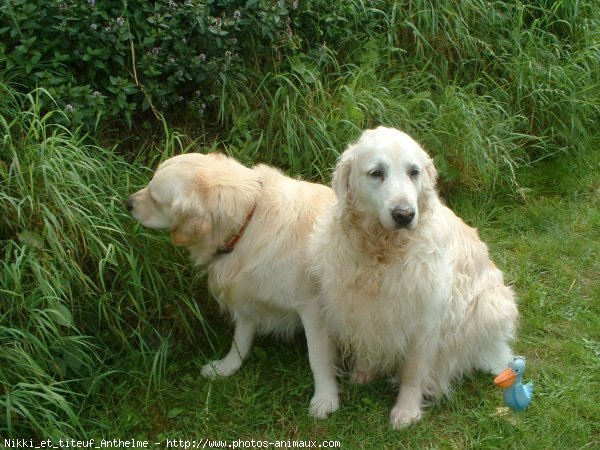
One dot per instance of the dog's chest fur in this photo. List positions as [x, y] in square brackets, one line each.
[384, 299]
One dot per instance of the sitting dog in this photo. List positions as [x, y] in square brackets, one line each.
[406, 285]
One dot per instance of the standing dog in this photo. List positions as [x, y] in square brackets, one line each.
[406, 285]
[249, 227]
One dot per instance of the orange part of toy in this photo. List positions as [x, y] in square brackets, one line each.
[506, 378]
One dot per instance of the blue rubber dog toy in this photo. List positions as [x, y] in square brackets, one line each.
[517, 396]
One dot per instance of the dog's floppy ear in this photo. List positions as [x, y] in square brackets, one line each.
[188, 225]
[341, 177]
[238, 196]
[432, 174]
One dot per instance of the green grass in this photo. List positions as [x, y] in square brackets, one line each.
[104, 325]
[69, 312]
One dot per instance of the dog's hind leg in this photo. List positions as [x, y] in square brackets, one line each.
[497, 316]
[494, 357]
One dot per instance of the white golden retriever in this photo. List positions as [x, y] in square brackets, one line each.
[406, 285]
[249, 227]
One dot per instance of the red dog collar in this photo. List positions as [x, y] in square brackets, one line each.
[230, 245]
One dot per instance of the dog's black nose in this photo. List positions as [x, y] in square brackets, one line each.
[129, 204]
[403, 215]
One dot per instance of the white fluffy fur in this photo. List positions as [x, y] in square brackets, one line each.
[263, 283]
[421, 298]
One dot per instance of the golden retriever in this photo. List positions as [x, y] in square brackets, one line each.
[249, 227]
[406, 285]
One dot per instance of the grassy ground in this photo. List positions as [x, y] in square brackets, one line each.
[546, 242]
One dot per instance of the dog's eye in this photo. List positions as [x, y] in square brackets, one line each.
[376, 173]
[414, 172]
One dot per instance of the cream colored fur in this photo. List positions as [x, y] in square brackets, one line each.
[421, 298]
[263, 283]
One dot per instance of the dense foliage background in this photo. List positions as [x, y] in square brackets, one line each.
[96, 313]
[484, 85]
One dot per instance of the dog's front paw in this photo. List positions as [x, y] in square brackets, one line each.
[215, 369]
[402, 417]
[323, 405]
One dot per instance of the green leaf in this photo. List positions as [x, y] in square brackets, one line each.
[174, 412]
[32, 239]
[260, 353]
[72, 360]
[61, 315]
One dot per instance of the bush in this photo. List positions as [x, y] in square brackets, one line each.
[485, 86]
[113, 58]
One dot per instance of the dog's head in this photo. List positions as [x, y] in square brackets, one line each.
[385, 175]
[201, 199]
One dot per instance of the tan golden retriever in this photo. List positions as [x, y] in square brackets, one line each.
[249, 227]
[406, 285]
